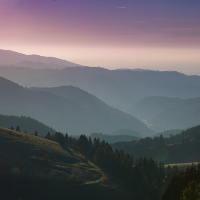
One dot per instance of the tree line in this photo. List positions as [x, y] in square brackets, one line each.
[181, 148]
[143, 176]
[184, 185]
[25, 123]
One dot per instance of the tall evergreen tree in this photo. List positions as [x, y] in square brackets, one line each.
[18, 129]
[36, 133]
[192, 192]
[48, 136]
[66, 139]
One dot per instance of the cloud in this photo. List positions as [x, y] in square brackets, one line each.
[182, 29]
[176, 20]
[121, 7]
[138, 21]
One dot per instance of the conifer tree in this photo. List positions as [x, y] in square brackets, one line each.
[18, 129]
[191, 192]
[48, 136]
[36, 133]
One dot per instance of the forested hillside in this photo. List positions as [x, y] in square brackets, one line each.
[169, 133]
[180, 148]
[34, 167]
[183, 186]
[64, 114]
[113, 138]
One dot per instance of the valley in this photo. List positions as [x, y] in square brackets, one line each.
[117, 134]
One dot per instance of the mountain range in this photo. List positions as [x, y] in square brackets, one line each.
[155, 96]
[168, 113]
[118, 88]
[8, 58]
[66, 109]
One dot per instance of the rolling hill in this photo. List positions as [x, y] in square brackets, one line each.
[40, 65]
[166, 113]
[168, 133]
[180, 148]
[26, 124]
[118, 88]
[8, 57]
[37, 168]
[65, 114]
[77, 95]
[150, 107]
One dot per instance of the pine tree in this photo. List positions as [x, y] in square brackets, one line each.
[191, 192]
[18, 129]
[66, 139]
[36, 133]
[48, 136]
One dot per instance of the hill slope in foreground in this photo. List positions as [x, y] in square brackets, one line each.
[37, 168]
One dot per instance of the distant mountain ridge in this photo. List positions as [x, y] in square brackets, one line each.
[168, 113]
[154, 105]
[75, 94]
[65, 114]
[8, 57]
[40, 65]
[118, 88]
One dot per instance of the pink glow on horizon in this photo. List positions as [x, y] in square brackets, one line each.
[185, 60]
[111, 34]
[47, 22]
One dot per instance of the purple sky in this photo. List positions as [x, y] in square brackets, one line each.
[155, 34]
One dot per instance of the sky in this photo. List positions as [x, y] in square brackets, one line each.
[156, 34]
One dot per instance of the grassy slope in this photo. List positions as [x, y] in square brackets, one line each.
[63, 174]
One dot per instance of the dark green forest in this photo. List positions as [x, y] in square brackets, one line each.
[180, 148]
[142, 176]
[184, 185]
[113, 138]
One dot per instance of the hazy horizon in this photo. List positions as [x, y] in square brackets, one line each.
[187, 61]
[116, 34]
